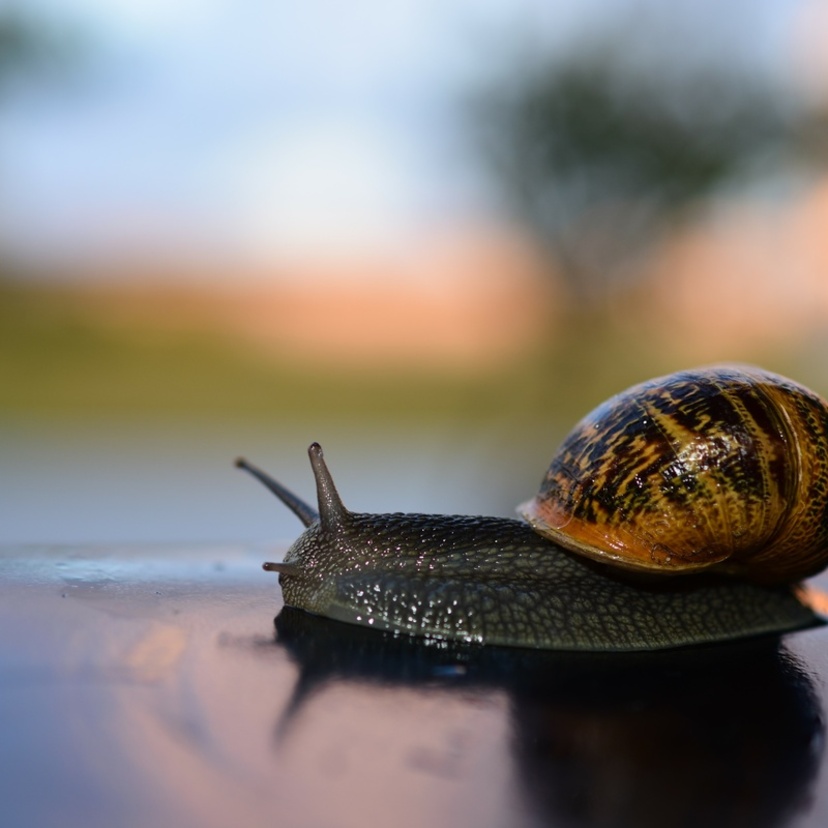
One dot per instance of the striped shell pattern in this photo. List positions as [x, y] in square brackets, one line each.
[723, 467]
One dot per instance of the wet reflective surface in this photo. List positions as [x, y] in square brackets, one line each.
[150, 686]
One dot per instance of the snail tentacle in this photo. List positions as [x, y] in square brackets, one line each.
[332, 512]
[282, 568]
[306, 513]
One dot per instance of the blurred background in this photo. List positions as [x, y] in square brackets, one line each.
[430, 235]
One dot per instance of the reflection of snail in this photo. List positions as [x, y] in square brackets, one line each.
[722, 469]
[596, 739]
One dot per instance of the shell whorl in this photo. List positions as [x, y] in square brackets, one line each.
[724, 466]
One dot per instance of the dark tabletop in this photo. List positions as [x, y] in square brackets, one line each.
[146, 686]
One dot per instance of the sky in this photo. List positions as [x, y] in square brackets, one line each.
[258, 129]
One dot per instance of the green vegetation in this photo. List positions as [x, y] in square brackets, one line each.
[60, 359]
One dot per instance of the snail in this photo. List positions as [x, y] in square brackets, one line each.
[685, 510]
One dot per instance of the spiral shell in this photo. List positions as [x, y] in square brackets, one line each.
[723, 467]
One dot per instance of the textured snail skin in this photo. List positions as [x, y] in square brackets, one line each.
[723, 467]
[496, 581]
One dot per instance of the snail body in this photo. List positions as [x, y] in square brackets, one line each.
[614, 513]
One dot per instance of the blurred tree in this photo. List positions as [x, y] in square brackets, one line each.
[28, 47]
[15, 43]
[31, 49]
[812, 135]
[600, 153]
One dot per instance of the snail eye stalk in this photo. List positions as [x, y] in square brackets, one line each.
[306, 513]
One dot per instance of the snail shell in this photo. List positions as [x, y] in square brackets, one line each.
[723, 467]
